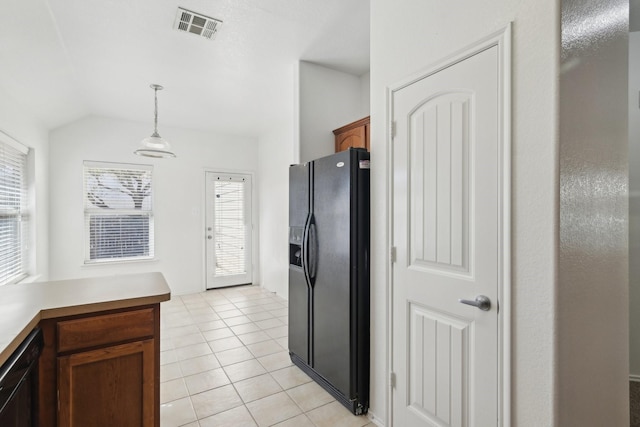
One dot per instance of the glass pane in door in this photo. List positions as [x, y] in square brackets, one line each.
[230, 228]
[228, 212]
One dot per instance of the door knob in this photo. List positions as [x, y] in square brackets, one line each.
[481, 301]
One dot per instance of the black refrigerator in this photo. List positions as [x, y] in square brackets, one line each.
[329, 274]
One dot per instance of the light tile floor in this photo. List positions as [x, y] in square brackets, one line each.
[224, 362]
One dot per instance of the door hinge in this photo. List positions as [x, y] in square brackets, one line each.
[392, 129]
[392, 255]
[392, 380]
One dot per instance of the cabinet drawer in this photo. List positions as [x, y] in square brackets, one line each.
[105, 329]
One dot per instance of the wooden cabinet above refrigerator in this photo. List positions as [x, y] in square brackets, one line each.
[354, 135]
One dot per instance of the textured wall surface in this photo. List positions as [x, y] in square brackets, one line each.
[275, 152]
[634, 206]
[592, 290]
[328, 99]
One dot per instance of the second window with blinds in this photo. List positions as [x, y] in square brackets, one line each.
[118, 212]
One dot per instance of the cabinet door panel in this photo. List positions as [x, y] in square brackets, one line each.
[354, 135]
[354, 138]
[113, 386]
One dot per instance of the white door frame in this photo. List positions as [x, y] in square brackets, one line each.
[254, 218]
[501, 39]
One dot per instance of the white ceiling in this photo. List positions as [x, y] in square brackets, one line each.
[65, 59]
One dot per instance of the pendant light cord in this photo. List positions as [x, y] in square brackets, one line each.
[155, 119]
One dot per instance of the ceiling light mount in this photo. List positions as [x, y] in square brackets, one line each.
[155, 145]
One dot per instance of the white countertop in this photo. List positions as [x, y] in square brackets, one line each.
[22, 306]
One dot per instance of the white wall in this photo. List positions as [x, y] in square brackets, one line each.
[634, 203]
[178, 196]
[18, 122]
[409, 35]
[276, 154]
[328, 99]
[276, 151]
[365, 95]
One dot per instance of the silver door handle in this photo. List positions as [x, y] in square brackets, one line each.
[482, 302]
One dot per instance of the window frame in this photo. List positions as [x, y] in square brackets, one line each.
[22, 214]
[93, 211]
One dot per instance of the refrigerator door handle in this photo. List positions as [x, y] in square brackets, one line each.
[305, 250]
[313, 251]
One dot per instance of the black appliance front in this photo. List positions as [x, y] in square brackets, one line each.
[336, 249]
[19, 383]
[299, 289]
[332, 290]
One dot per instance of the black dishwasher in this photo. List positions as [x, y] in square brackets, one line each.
[19, 383]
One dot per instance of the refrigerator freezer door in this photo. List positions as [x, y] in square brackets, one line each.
[298, 194]
[299, 292]
[298, 314]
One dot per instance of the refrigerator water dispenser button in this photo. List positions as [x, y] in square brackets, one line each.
[295, 234]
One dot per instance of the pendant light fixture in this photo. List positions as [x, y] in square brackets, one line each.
[155, 145]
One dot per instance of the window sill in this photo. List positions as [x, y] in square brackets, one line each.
[30, 279]
[119, 262]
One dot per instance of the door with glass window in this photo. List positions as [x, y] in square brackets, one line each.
[228, 229]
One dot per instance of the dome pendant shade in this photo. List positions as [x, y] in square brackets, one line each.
[155, 145]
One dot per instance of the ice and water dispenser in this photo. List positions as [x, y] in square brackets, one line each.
[295, 246]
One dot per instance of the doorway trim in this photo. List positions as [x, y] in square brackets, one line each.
[254, 222]
[502, 40]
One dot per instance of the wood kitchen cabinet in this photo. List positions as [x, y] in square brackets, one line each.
[354, 135]
[104, 367]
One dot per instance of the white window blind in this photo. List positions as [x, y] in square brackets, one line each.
[13, 211]
[118, 212]
[230, 227]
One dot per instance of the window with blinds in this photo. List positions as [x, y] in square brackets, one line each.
[229, 227]
[118, 212]
[13, 211]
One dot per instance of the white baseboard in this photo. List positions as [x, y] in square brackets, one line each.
[380, 423]
[633, 377]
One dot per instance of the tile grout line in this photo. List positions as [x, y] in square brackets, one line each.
[194, 307]
[271, 376]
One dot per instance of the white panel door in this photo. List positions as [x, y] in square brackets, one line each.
[446, 234]
[228, 229]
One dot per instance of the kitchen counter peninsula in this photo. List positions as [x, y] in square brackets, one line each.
[101, 356]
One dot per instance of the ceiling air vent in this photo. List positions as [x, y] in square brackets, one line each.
[196, 23]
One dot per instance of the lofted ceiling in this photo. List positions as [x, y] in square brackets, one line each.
[66, 59]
